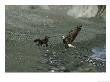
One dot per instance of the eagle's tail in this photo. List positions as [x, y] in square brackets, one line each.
[70, 45]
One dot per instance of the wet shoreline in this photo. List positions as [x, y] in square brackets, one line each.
[23, 55]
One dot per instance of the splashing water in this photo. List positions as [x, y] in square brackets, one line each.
[99, 54]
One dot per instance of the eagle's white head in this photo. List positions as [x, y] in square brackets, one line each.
[63, 37]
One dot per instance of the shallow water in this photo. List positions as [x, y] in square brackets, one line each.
[99, 54]
[23, 55]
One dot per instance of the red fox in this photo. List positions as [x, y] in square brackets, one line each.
[42, 41]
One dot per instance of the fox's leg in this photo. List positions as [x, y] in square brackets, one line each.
[46, 44]
[41, 44]
[38, 43]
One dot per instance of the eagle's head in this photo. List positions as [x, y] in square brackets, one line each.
[79, 27]
[63, 37]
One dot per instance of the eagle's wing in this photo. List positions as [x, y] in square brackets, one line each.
[69, 35]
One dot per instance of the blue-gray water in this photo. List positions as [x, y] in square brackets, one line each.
[99, 54]
[23, 55]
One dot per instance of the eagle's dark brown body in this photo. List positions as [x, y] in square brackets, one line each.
[71, 36]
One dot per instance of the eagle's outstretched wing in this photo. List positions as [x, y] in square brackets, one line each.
[73, 33]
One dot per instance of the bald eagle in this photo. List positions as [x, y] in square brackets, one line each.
[71, 37]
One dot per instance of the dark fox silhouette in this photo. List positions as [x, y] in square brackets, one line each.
[71, 37]
[42, 41]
